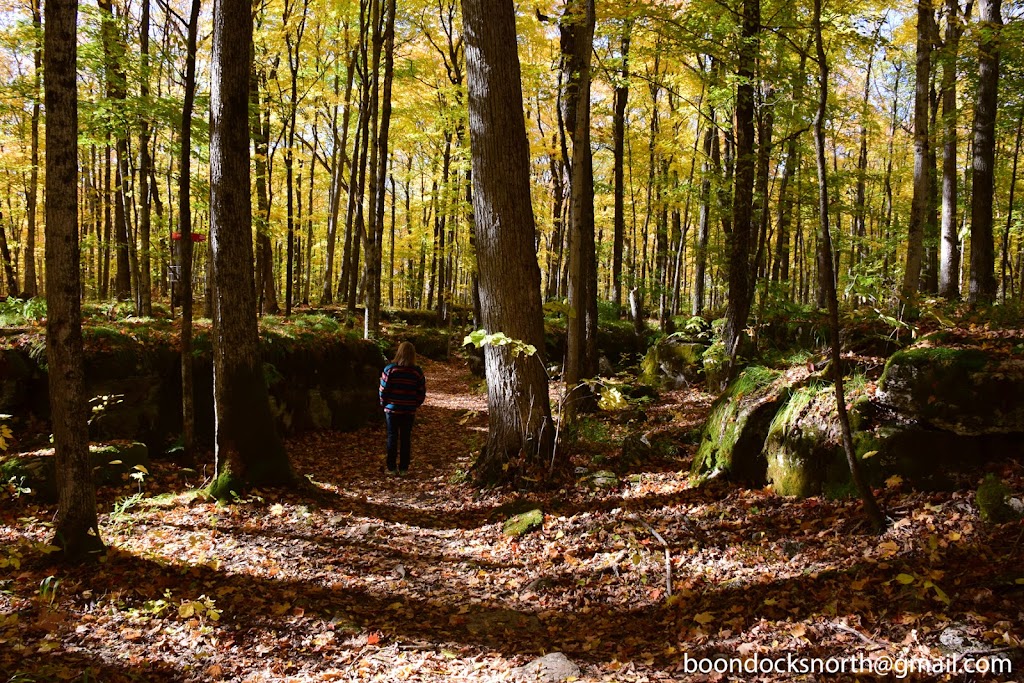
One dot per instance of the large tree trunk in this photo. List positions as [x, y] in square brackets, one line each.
[581, 349]
[983, 278]
[75, 531]
[920, 214]
[519, 411]
[949, 245]
[828, 280]
[248, 449]
[740, 288]
[188, 419]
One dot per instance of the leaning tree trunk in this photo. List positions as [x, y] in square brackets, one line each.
[983, 278]
[828, 280]
[76, 531]
[518, 407]
[248, 448]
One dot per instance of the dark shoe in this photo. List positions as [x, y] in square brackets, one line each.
[391, 471]
[403, 473]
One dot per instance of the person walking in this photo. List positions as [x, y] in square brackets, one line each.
[402, 390]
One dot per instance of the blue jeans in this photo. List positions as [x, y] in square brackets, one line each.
[399, 439]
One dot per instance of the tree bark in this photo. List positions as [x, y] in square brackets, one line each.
[983, 278]
[921, 202]
[949, 246]
[30, 286]
[248, 449]
[188, 413]
[145, 282]
[519, 411]
[76, 530]
[618, 155]
[581, 359]
[740, 290]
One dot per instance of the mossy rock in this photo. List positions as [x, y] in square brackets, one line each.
[966, 391]
[110, 462]
[993, 499]
[673, 363]
[523, 523]
[803, 443]
[734, 434]
[604, 479]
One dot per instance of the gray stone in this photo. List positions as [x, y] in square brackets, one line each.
[967, 391]
[551, 668]
[674, 362]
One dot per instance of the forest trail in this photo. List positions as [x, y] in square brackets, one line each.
[366, 576]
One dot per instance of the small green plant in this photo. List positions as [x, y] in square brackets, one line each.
[481, 338]
[124, 505]
[100, 404]
[48, 589]
[15, 312]
[202, 608]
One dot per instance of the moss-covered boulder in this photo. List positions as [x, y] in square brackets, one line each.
[517, 525]
[734, 435]
[112, 464]
[804, 449]
[994, 501]
[966, 390]
[673, 362]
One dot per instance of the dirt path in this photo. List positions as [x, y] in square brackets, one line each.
[373, 577]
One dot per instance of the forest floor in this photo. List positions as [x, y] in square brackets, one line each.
[366, 576]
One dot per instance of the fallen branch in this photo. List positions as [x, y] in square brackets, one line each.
[852, 631]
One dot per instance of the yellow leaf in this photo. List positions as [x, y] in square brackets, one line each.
[141, 468]
[116, 462]
[869, 454]
[954, 535]
[277, 509]
[798, 630]
[893, 481]
[704, 618]
[186, 610]
[1019, 582]
[905, 579]
[859, 584]
[771, 601]
[889, 548]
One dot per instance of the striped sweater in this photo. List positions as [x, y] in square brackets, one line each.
[402, 388]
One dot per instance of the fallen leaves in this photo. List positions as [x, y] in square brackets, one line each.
[378, 578]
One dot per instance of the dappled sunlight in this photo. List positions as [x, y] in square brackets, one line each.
[359, 574]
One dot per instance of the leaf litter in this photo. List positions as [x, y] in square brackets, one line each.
[360, 575]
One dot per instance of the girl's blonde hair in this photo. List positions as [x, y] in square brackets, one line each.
[406, 354]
